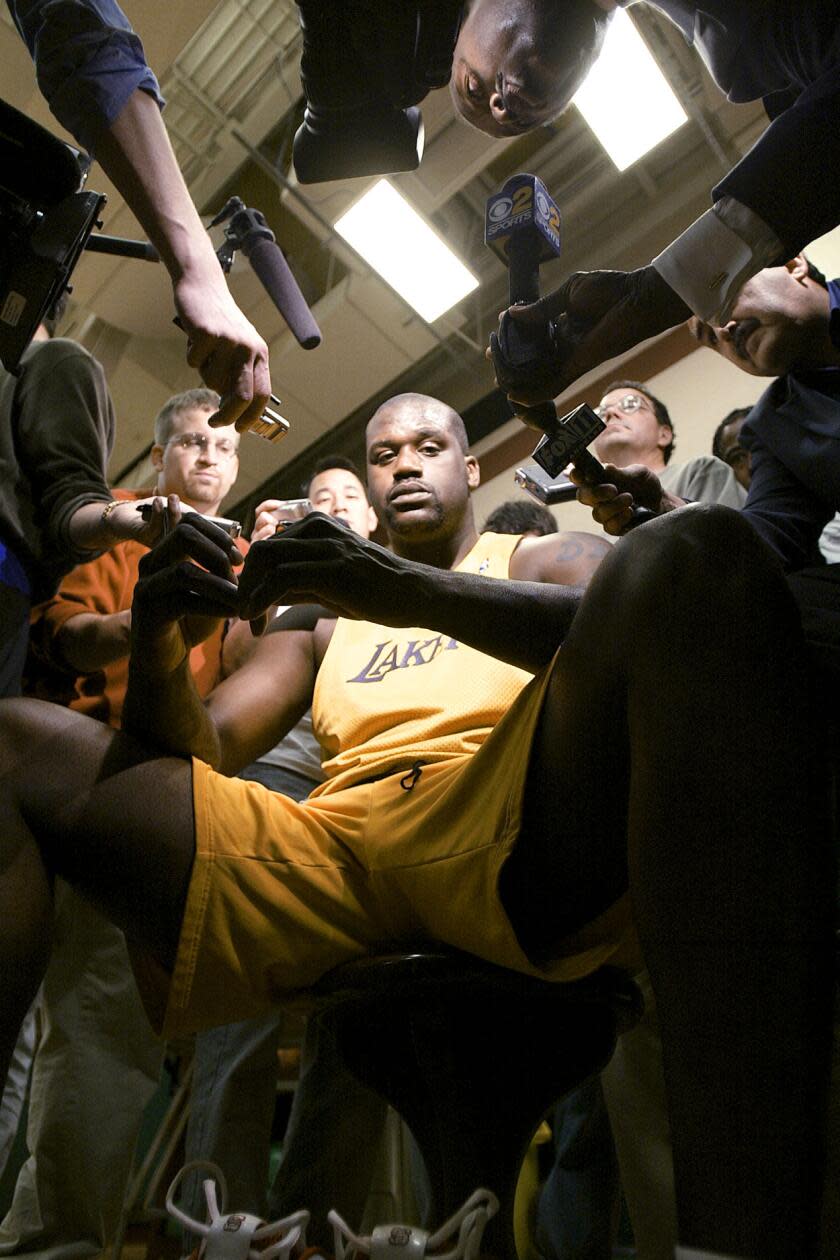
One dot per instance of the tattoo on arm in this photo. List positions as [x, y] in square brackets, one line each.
[569, 549]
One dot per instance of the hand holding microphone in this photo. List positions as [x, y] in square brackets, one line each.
[522, 225]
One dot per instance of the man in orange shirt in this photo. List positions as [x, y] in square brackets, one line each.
[97, 1062]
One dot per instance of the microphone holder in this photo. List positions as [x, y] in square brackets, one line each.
[244, 227]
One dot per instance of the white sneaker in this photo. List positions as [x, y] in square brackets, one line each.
[234, 1235]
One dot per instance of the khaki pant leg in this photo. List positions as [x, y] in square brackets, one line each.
[634, 1091]
[96, 1067]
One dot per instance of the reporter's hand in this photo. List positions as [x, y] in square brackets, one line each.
[612, 501]
[186, 585]
[596, 315]
[320, 560]
[227, 350]
[127, 520]
[268, 515]
[135, 151]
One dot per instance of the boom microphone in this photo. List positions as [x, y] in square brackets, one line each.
[247, 230]
[267, 259]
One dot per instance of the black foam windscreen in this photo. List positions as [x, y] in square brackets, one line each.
[35, 165]
[272, 269]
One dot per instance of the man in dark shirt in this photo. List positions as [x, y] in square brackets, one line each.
[56, 433]
[784, 323]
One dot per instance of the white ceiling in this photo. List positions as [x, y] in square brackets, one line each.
[230, 74]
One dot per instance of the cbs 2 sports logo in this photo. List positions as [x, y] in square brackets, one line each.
[503, 211]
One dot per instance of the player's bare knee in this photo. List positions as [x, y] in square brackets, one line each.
[23, 718]
[705, 545]
[20, 721]
[38, 743]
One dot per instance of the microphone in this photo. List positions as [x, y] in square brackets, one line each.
[267, 260]
[522, 226]
[565, 443]
[247, 230]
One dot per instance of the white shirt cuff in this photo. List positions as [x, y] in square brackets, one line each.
[711, 260]
[690, 1253]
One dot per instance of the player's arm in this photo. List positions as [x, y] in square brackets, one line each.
[321, 560]
[569, 558]
[186, 586]
[261, 702]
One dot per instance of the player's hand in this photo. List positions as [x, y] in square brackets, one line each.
[594, 315]
[320, 560]
[186, 585]
[225, 348]
[612, 501]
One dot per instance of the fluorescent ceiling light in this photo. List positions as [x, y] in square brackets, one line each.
[626, 98]
[406, 252]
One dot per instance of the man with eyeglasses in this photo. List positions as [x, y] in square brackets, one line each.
[97, 1063]
[640, 432]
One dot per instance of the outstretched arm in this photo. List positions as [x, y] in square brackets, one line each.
[186, 586]
[319, 560]
[225, 348]
[92, 70]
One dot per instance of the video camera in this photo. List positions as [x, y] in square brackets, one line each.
[365, 66]
[45, 220]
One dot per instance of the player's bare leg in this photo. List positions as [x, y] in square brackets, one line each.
[677, 732]
[80, 800]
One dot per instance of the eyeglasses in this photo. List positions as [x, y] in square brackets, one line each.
[225, 448]
[628, 404]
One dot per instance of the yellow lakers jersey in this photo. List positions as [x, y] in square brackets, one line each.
[386, 697]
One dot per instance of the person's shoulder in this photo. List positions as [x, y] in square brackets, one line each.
[806, 396]
[701, 464]
[61, 353]
[704, 479]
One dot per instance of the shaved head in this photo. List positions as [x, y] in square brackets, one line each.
[421, 407]
[420, 475]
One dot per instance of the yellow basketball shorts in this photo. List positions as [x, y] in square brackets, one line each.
[281, 892]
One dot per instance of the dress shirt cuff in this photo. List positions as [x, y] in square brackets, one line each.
[707, 265]
[690, 1253]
